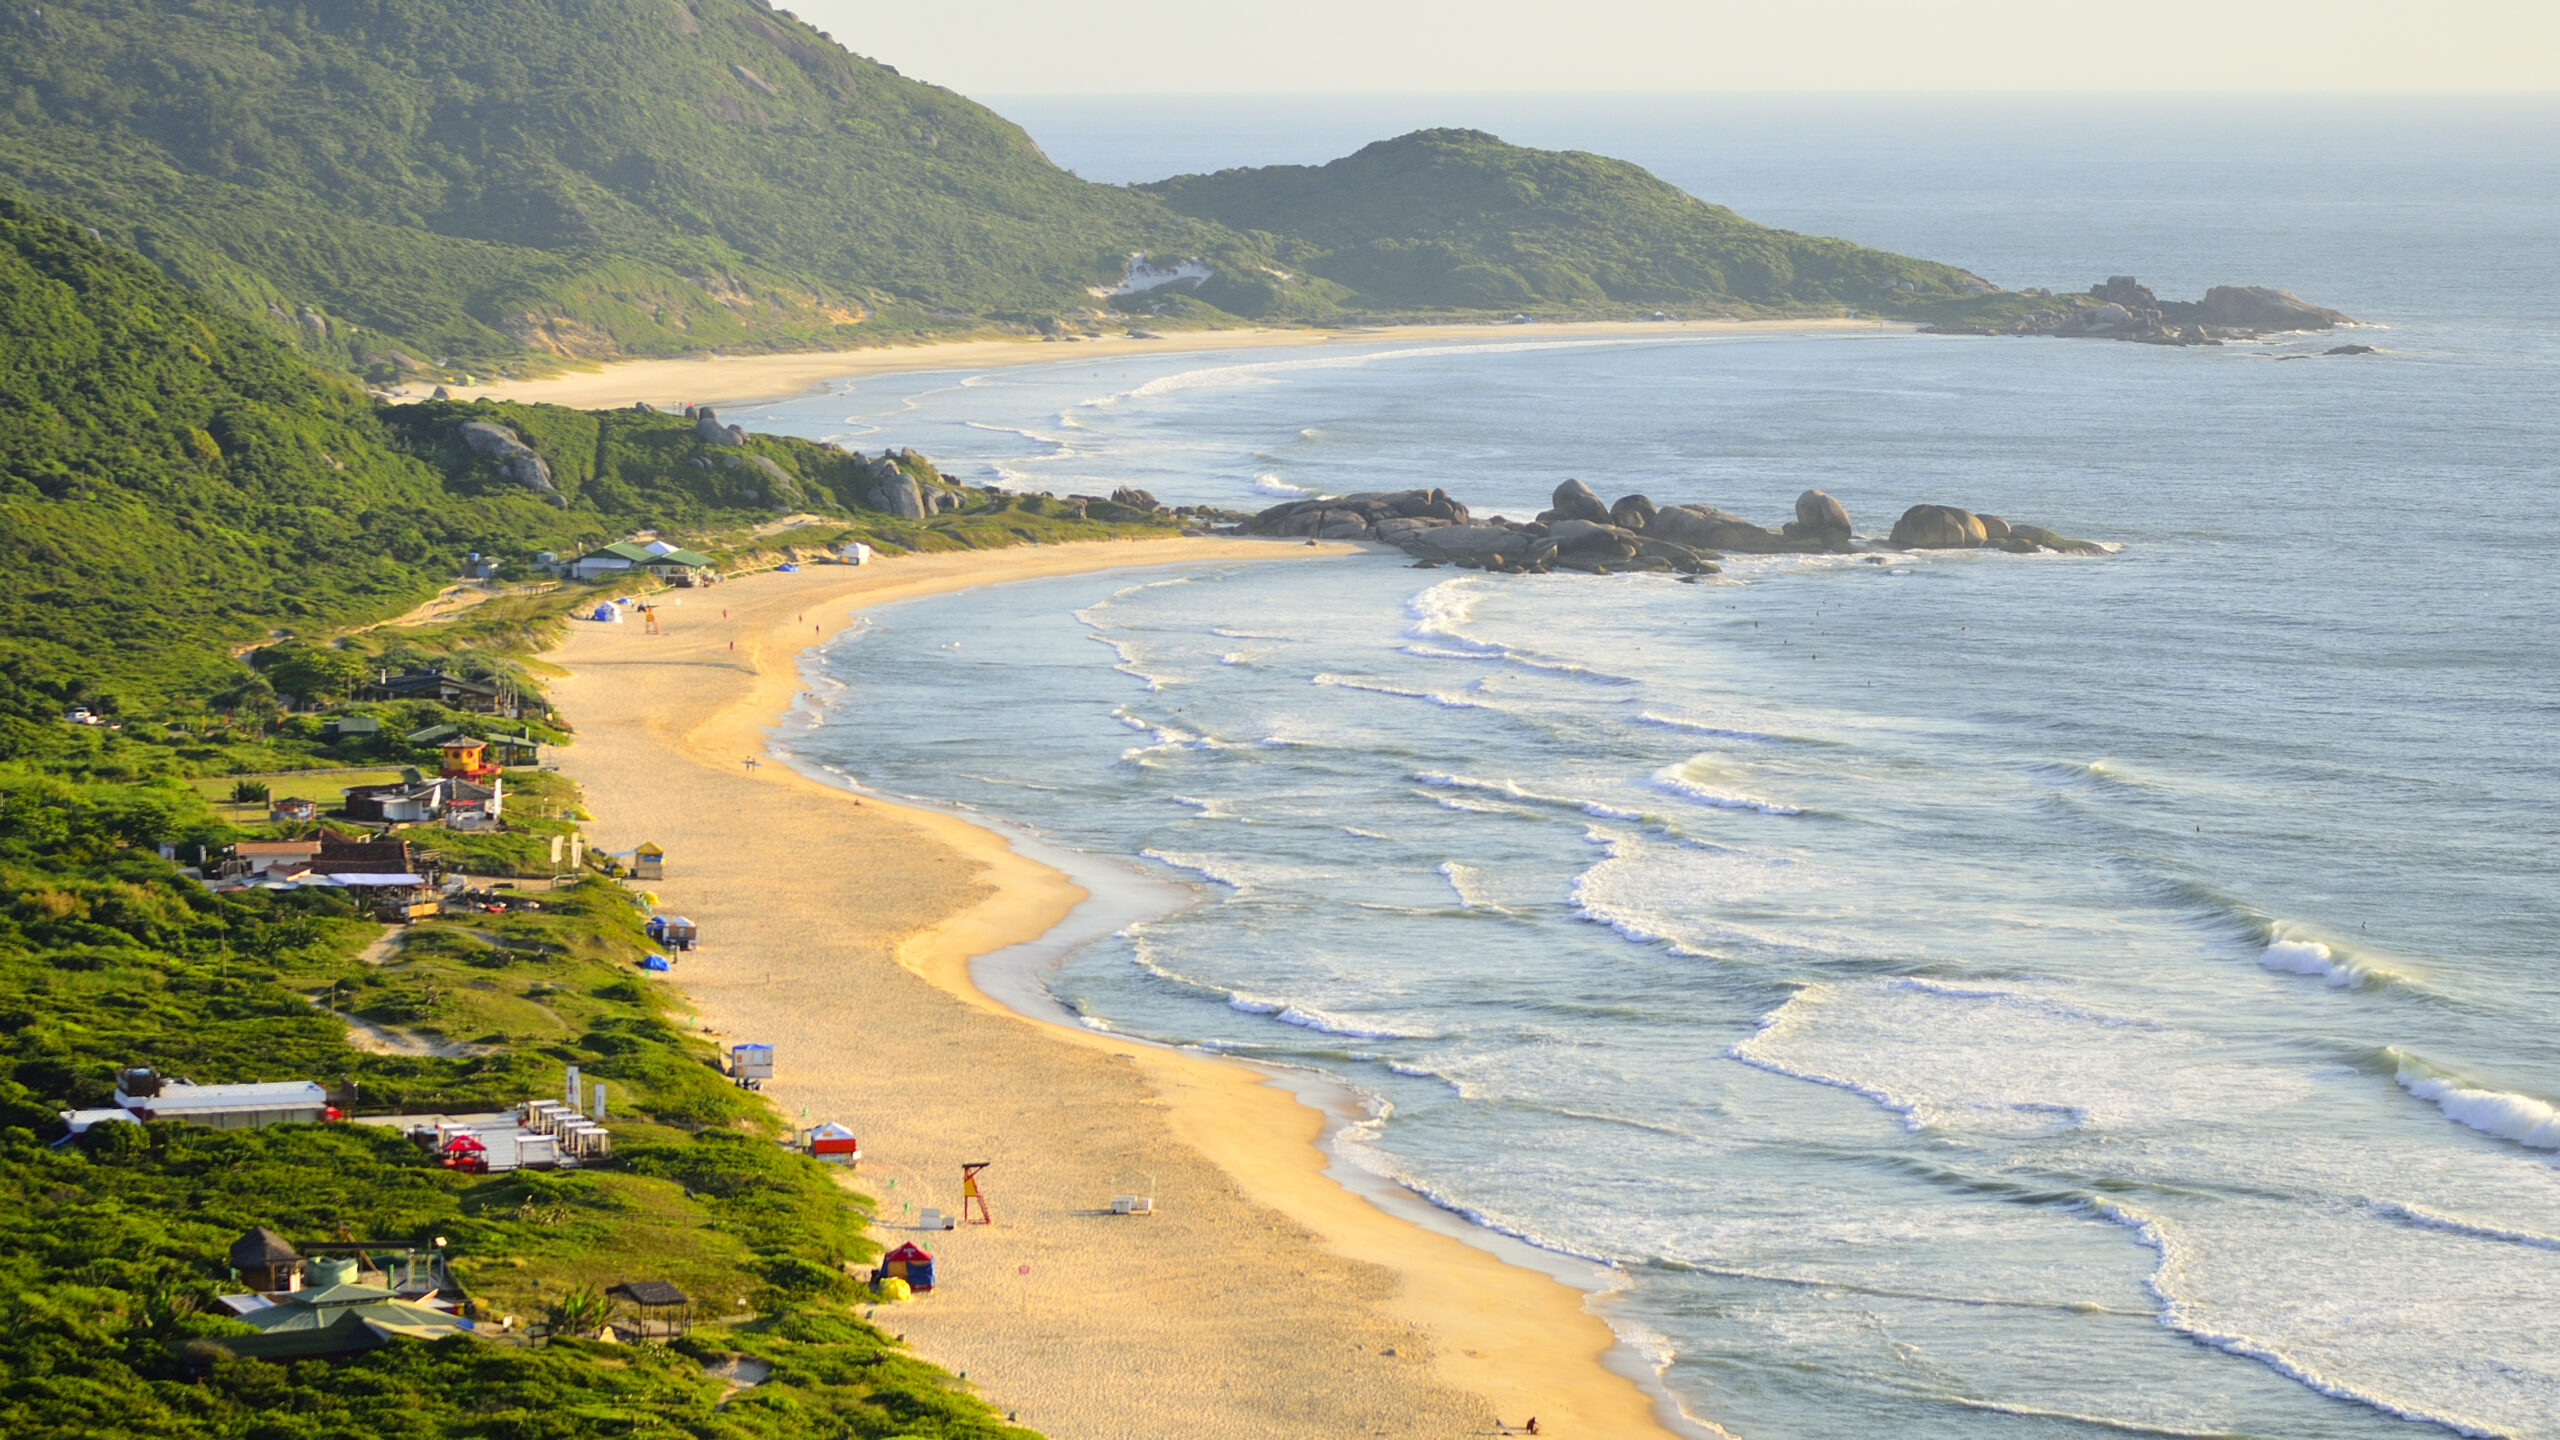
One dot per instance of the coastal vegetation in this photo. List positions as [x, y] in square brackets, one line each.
[404, 189]
[218, 541]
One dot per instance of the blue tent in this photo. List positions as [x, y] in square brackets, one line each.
[604, 612]
[657, 962]
[788, 569]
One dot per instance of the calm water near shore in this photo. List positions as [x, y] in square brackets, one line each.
[1965, 994]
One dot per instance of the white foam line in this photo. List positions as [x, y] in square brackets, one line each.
[2426, 1219]
[2174, 1315]
[2507, 1115]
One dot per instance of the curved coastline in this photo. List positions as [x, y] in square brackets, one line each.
[1210, 1318]
[1118, 895]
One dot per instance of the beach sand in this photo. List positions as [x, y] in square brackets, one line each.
[1264, 1299]
[727, 380]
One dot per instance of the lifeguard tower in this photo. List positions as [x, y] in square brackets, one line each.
[649, 862]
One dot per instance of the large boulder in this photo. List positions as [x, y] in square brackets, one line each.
[1938, 527]
[1995, 531]
[1575, 501]
[1451, 542]
[1134, 498]
[785, 490]
[499, 446]
[708, 429]
[899, 495]
[1703, 527]
[2036, 537]
[1632, 512]
[1821, 518]
[2257, 307]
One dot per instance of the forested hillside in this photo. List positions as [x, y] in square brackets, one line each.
[468, 182]
[436, 187]
[1458, 219]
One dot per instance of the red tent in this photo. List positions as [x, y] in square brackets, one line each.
[909, 1262]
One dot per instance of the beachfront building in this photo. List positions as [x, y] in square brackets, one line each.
[648, 863]
[480, 697]
[671, 563]
[334, 1316]
[142, 1094]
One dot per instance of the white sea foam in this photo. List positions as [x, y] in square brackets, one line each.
[1209, 806]
[1672, 781]
[2453, 1224]
[1269, 484]
[2307, 957]
[2509, 1116]
[1206, 869]
[1307, 1017]
[1701, 727]
[1380, 687]
[1467, 882]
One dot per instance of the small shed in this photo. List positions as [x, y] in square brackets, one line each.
[466, 756]
[649, 862]
[751, 1065]
[660, 1304]
[265, 1261]
[681, 933]
[835, 1145]
[909, 1262]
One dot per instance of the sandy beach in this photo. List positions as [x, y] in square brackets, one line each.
[727, 380]
[1264, 1300]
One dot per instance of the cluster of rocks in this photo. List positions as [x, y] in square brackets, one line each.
[2124, 308]
[1944, 527]
[1579, 532]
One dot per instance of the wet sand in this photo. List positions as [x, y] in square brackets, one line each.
[1264, 1300]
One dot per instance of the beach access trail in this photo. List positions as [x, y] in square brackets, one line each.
[739, 379]
[1263, 1301]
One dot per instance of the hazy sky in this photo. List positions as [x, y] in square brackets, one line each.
[1155, 46]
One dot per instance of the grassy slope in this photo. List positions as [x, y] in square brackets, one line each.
[476, 180]
[175, 484]
[1456, 219]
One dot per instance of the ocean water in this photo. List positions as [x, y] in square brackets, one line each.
[1959, 994]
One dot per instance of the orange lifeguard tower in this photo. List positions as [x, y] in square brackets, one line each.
[467, 759]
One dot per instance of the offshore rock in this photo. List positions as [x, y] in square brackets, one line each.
[2259, 308]
[1704, 527]
[1821, 519]
[1575, 501]
[1938, 527]
[1632, 512]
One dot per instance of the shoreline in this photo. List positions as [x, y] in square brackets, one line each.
[743, 379]
[1206, 1326]
[1118, 894]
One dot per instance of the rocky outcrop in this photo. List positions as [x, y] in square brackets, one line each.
[708, 429]
[1632, 534]
[1135, 499]
[2123, 308]
[1944, 527]
[2258, 308]
[500, 447]
[898, 495]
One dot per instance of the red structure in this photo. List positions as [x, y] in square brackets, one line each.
[969, 1195]
[909, 1262]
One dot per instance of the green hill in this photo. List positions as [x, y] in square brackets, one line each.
[437, 187]
[466, 183]
[1456, 219]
